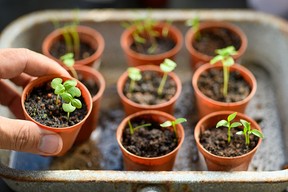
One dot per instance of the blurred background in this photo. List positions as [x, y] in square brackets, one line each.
[12, 9]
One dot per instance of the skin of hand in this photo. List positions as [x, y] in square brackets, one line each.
[20, 66]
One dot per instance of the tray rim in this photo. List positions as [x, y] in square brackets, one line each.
[13, 30]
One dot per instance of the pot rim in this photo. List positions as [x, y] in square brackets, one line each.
[123, 123]
[123, 78]
[235, 67]
[198, 126]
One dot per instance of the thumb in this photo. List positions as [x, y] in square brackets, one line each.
[26, 136]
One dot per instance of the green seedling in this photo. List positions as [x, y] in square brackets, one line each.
[135, 75]
[167, 66]
[173, 124]
[69, 61]
[67, 91]
[145, 32]
[227, 123]
[247, 131]
[194, 24]
[133, 129]
[225, 57]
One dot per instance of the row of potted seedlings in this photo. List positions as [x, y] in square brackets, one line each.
[150, 136]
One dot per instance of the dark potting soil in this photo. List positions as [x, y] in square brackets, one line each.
[41, 106]
[90, 84]
[152, 141]
[210, 84]
[145, 90]
[163, 45]
[215, 141]
[58, 49]
[216, 38]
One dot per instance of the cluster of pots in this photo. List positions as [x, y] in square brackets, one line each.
[210, 111]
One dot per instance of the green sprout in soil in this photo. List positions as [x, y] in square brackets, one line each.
[69, 61]
[67, 91]
[247, 131]
[194, 24]
[229, 125]
[173, 124]
[135, 75]
[145, 33]
[133, 129]
[225, 57]
[167, 66]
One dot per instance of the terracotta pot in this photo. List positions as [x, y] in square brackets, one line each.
[131, 107]
[136, 163]
[68, 134]
[207, 105]
[87, 35]
[91, 122]
[197, 58]
[218, 163]
[136, 59]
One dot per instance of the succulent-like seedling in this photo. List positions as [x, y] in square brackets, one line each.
[133, 129]
[194, 24]
[228, 123]
[247, 131]
[225, 57]
[67, 92]
[135, 75]
[167, 66]
[69, 61]
[173, 124]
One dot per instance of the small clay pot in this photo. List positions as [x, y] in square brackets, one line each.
[68, 134]
[131, 107]
[91, 122]
[136, 163]
[206, 105]
[197, 58]
[219, 163]
[137, 59]
[87, 35]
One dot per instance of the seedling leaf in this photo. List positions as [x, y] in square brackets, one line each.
[166, 124]
[68, 107]
[180, 120]
[55, 82]
[257, 133]
[77, 103]
[221, 123]
[232, 116]
[236, 124]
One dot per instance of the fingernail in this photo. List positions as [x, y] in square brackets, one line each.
[49, 144]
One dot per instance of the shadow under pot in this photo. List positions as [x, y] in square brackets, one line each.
[151, 147]
[167, 47]
[207, 82]
[45, 108]
[219, 154]
[90, 50]
[211, 35]
[144, 95]
[95, 83]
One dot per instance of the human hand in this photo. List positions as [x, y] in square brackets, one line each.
[20, 66]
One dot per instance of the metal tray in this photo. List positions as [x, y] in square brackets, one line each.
[266, 57]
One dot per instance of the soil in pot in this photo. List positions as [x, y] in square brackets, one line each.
[145, 90]
[163, 45]
[216, 38]
[40, 105]
[152, 141]
[58, 49]
[215, 141]
[210, 84]
[90, 85]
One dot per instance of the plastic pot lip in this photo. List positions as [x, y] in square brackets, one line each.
[190, 36]
[88, 31]
[235, 67]
[121, 127]
[126, 42]
[198, 126]
[101, 81]
[40, 81]
[122, 79]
